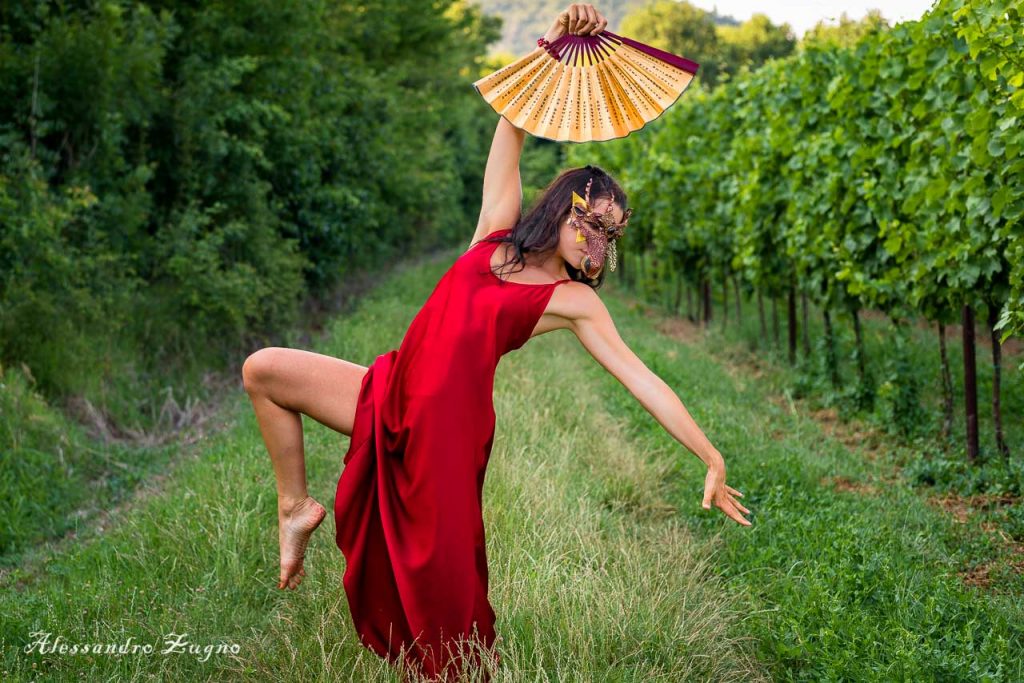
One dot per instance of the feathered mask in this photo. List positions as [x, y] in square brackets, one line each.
[599, 230]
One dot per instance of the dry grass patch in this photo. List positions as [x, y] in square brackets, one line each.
[841, 483]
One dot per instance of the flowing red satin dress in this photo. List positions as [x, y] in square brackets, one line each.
[408, 502]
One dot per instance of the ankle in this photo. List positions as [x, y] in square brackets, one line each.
[288, 506]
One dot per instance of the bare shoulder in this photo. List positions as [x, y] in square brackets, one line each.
[571, 303]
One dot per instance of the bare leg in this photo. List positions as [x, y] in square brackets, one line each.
[282, 383]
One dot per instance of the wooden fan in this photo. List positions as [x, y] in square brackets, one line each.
[587, 88]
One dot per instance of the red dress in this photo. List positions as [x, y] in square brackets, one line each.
[408, 502]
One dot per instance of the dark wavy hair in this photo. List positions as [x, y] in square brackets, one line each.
[538, 229]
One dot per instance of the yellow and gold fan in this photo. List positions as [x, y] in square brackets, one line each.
[587, 88]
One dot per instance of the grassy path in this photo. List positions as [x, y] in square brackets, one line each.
[591, 578]
[603, 564]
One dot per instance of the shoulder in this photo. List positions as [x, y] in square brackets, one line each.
[574, 302]
[482, 235]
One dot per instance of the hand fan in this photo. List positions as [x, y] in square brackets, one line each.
[587, 88]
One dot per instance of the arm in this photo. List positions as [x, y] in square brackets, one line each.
[596, 331]
[503, 189]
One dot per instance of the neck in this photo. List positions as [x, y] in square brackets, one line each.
[553, 265]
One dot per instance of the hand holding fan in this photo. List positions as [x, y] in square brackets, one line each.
[583, 88]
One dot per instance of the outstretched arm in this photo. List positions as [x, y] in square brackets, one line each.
[596, 331]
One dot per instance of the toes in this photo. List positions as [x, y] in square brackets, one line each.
[291, 581]
[287, 576]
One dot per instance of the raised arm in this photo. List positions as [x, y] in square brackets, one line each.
[595, 329]
[503, 188]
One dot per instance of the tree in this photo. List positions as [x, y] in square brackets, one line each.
[754, 42]
[679, 28]
[847, 33]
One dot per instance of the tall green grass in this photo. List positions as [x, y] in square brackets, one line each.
[593, 575]
[841, 585]
[55, 479]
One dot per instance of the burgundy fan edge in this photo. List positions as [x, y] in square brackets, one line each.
[683, 63]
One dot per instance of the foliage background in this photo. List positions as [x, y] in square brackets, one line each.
[175, 178]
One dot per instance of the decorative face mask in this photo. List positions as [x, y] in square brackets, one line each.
[599, 230]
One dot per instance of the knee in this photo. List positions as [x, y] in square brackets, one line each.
[257, 368]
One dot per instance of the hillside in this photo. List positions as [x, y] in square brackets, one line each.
[527, 21]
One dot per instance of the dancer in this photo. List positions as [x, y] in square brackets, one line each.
[408, 504]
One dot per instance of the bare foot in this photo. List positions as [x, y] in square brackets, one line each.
[294, 529]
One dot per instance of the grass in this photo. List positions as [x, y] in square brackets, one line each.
[895, 416]
[592, 576]
[54, 479]
[603, 565]
[844, 585]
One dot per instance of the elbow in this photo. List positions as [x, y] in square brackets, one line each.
[649, 389]
[640, 383]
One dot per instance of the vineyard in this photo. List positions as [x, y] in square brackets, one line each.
[888, 175]
[826, 264]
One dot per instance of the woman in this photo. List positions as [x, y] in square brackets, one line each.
[421, 418]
